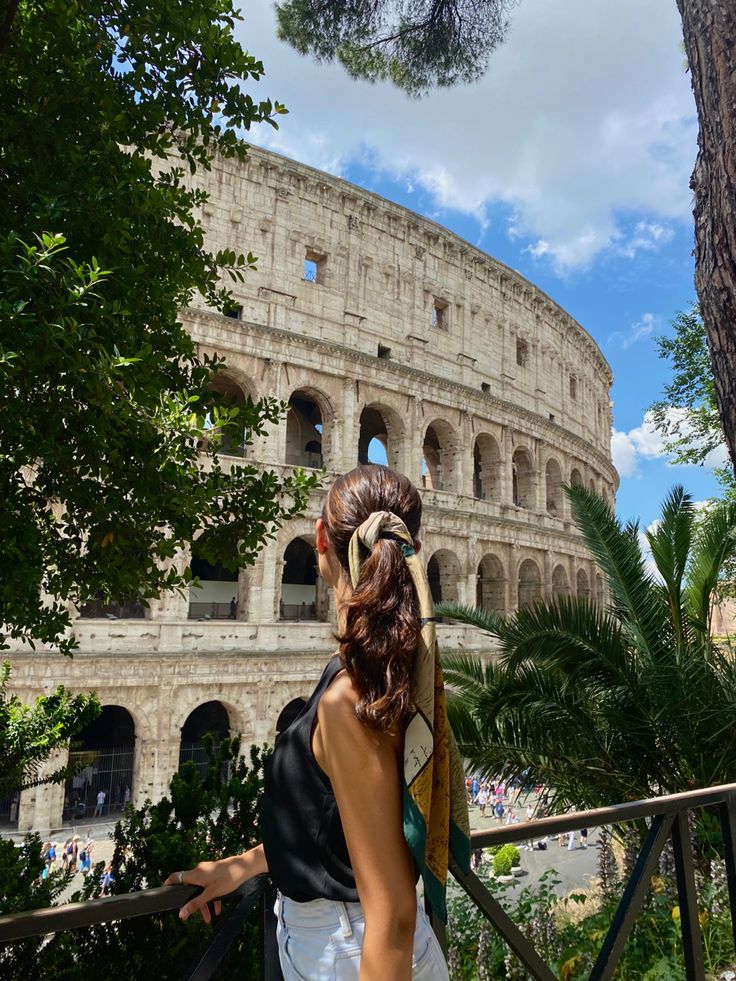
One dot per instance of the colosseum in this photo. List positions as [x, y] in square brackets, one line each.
[391, 340]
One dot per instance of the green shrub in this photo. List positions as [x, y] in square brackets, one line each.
[502, 863]
[202, 819]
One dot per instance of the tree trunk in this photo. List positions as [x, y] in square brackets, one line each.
[709, 28]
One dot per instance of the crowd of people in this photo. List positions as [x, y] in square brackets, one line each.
[501, 803]
[74, 856]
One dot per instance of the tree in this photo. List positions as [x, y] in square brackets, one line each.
[709, 30]
[609, 704]
[105, 402]
[200, 819]
[417, 46]
[687, 414]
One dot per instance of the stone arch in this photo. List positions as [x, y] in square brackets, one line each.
[439, 456]
[443, 574]
[560, 581]
[600, 590]
[576, 478]
[491, 587]
[219, 595]
[381, 436]
[103, 755]
[235, 388]
[309, 420]
[207, 719]
[487, 480]
[522, 475]
[553, 487]
[582, 584]
[303, 595]
[591, 486]
[530, 583]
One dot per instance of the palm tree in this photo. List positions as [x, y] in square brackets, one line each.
[615, 703]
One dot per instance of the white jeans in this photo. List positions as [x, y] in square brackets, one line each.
[321, 941]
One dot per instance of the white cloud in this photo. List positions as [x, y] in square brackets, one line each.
[638, 331]
[645, 442]
[584, 116]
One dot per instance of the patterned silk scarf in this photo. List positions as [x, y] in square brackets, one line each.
[435, 805]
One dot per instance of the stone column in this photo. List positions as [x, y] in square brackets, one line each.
[465, 457]
[512, 593]
[265, 582]
[40, 808]
[506, 475]
[345, 456]
[414, 442]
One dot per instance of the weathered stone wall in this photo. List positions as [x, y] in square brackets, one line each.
[481, 388]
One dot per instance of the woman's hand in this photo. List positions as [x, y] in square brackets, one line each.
[218, 879]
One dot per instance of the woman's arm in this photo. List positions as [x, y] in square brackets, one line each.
[219, 879]
[363, 767]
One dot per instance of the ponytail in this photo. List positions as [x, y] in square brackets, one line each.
[379, 643]
[382, 624]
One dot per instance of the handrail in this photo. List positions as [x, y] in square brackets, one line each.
[613, 814]
[91, 912]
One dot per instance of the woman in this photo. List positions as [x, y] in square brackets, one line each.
[364, 791]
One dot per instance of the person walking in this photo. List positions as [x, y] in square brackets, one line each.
[100, 805]
[345, 854]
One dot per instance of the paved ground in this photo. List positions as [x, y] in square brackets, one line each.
[575, 869]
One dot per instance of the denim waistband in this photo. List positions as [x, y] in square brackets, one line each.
[318, 914]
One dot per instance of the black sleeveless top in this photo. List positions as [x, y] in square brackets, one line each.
[303, 837]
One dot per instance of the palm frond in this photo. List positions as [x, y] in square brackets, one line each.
[617, 553]
[715, 544]
[473, 616]
[670, 542]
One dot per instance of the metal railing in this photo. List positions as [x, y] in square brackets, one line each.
[298, 611]
[147, 902]
[667, 820]
[212, 611]
[96, 609]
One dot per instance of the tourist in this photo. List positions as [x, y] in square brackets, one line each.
[333, 844]
[476, 859]
[100, 805]
[571, 841]
[476, 788]
[583, 837]
[106, 881]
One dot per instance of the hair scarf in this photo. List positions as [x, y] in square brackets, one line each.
[435, 805]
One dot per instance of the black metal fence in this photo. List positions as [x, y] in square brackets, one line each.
[666, 819]
[96, 609]
[298, 611]
[213, 611]
[106, 771]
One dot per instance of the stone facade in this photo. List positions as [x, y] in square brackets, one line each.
[391, 339]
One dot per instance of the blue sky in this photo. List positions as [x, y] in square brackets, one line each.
[569, 161]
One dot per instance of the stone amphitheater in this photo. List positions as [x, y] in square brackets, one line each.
[392, 340]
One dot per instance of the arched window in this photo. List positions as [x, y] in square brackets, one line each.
[299, 583]
[217, 596]
[600, 590]
[103, 755]
[443, 572]
[560, 582]
[530, 583]
[486, 468]
[583, 584]
[209, 719]
[491, 588]
[553, 484]
[305, 443]
[522, 483]
[591, 486]
[380, 436]
[233, 443]
[576, 478]
[438, 457]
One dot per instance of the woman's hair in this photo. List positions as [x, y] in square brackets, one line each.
[378, 644]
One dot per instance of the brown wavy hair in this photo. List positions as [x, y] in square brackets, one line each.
[378, 644]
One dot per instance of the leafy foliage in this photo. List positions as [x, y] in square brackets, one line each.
[416, 45]
[617, 703]
[200, 820]
[105, 403]
[695, 431]
[30, 733]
